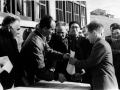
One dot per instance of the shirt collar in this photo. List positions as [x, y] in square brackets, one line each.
[42, 36]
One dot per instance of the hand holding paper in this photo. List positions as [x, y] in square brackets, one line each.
[71, 68]
[72, 53]
[66, 56]
[72, 60]
[3, 60]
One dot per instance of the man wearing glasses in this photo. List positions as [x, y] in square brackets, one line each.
[78, 43]
[59, 43]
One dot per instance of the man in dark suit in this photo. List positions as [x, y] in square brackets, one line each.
[81, 46]
[100, 61]
[35, 52]
[8, 47]
[59, 43]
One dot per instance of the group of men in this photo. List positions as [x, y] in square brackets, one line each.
[42, 58]
[114, 41]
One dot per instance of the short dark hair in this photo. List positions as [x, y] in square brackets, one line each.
[72, 22]
[46, 22]
[114, 26]
[9, 19]
[94, 26]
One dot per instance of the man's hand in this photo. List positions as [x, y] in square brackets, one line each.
[77, 77]
[72, 60]
[61, 78]
[3, 60]
[66, 56]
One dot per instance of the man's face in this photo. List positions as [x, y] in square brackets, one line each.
[116, 34]
[61, 31]
[91, 36]
[15, 28]
[74, 29]
[51, 29]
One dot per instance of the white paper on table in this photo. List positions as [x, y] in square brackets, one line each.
[71, 68]
[8, 65]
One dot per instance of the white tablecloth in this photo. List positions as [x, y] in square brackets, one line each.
[55, 85]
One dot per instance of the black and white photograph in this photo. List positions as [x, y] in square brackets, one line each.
[59, 44]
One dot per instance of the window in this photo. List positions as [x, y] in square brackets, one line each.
[83, 2]
[59, 11]
[68, 11]
[82, 11]
[40, 8]
[76, 12]
[83, 16]
[27, 10]
[5, 6]
[23, 8]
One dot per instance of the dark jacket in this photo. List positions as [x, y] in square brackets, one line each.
[61, 45]
[8, 47]
[34, 53]
[80, 45]
[101, 64]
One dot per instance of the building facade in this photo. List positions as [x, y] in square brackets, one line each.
[31, 11]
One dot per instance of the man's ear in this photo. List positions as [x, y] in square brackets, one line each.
[44, 29]
[9, 28]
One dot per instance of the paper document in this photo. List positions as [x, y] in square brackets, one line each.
[72, 53]
[1, 87]
[8, 65]
[71, 68]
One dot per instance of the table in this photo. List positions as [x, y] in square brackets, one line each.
[55, 85]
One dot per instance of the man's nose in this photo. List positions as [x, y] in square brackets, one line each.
[74, 29]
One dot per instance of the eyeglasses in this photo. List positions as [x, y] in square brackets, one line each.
[75, 27]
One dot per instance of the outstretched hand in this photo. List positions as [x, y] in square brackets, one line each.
[66, 56]
[72, 60]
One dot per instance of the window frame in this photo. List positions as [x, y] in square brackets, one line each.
[68, 11]
[77, 14]
[83, 14]
[29, 18]
[58, 9]
[46, 9]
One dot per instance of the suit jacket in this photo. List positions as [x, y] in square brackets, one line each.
[61, 45]
[80, 45]
[101, 64]
[8, 47]
[34, 53]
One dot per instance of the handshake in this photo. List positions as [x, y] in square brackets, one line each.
[71, 58]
